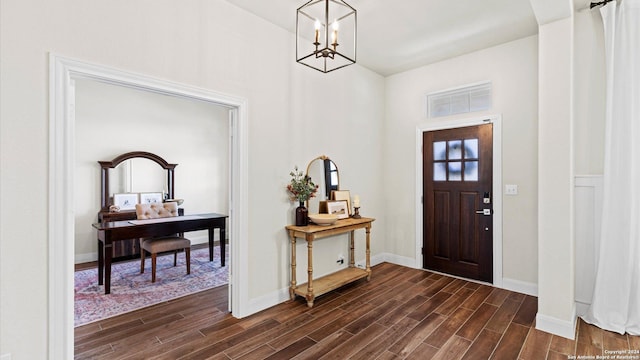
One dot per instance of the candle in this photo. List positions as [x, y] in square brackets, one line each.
[317, 25]
[334, 38]
[356, 201]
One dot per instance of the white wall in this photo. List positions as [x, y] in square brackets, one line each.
[112, 120]
[295, 114]
[512, 68]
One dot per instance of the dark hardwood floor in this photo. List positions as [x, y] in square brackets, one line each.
[401, 313]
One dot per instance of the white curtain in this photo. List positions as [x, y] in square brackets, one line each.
[616, 300]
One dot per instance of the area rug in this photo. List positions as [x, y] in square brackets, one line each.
[131, 290]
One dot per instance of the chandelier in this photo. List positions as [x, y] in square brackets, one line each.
[326, 32]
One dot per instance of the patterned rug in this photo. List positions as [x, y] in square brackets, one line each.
[131, 290]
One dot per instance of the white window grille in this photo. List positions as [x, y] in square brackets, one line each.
[460, 100]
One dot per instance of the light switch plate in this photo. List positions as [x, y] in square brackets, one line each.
[510, 189]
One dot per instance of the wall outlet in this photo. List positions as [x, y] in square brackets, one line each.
[340, 259]
[510, 189]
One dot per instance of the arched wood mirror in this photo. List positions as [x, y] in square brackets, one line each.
[115, 175]
[324, 173]
[120, 175]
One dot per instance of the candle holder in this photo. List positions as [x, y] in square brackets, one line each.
[356, 213]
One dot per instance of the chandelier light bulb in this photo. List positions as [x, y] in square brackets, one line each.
[334, 36]
[317, 26]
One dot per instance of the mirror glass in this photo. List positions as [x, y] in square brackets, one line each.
[137, 175]
[324, 173]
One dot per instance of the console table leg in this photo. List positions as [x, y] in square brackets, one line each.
[352, 256]
[310, 294]
[292, 286]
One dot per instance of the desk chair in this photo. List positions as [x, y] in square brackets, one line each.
[161, 244]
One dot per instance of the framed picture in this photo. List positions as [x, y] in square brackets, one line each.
[125, 201]
[150, 198]
[342, 195]
[322, 207]
[338, 207]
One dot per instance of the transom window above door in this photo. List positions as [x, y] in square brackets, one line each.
[455, 160]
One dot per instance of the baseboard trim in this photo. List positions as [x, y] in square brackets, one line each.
[555, 326]
[279, 296]
[266, 301]
[85, 258]
[519, 286]
[375, 260]
[400, 260]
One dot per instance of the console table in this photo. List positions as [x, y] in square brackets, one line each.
[312, 232]
[115, 231]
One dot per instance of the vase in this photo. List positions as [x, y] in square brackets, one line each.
[302, 215]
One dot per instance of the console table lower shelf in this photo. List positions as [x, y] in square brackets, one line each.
[333, 281]
[316, 287]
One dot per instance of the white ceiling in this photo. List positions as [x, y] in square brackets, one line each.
[394, 36]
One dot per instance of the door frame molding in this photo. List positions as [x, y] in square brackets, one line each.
[496, 120]
[62, 72]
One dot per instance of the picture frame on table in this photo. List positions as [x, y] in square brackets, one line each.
[342, 195]
[339, 208]
[126, 201]
[151, 198]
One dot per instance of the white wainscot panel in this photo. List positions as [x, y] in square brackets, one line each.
[588, 218]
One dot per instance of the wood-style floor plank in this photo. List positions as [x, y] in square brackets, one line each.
[405, 345]
[483, 346]
[401, 313]
[536, 346]
[511, 343]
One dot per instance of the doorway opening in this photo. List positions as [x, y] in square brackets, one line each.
[436, 258]
[63, 72]
[111, 119]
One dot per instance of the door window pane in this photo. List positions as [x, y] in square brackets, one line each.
[440, 150]
[455, 171]
[470, 171]
[456, 160]
[455, 150]
[471, 149]
[439, 171]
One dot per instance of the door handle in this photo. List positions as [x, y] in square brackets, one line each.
[485, 212]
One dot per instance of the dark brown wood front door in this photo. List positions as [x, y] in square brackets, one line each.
[458, 203]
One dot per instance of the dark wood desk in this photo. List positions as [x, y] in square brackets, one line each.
[110, 232]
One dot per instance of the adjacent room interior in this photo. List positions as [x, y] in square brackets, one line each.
[111, 120]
